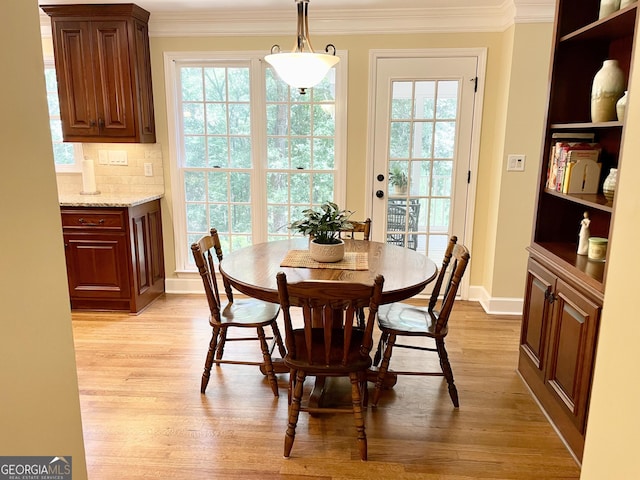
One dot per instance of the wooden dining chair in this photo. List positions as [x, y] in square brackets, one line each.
[363, 227]
[404, 320]
[234, 313]
[328, 344]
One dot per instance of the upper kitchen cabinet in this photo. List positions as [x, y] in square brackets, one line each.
[104, 72]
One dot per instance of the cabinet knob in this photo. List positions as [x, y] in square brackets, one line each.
[549, 297]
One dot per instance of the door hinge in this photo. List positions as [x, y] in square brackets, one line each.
[475, 85]
[469, 176]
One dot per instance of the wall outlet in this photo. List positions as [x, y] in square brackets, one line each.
[118, 157]
[148, 169]
[515, 163]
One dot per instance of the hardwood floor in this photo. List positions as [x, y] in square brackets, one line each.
[144, 416]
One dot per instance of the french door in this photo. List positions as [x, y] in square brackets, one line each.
[425, 112]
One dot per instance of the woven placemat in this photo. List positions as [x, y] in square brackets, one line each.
[351, 261]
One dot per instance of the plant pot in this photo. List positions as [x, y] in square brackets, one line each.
[399, 190]
[326, 253]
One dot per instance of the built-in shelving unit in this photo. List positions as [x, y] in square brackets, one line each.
[564, 292]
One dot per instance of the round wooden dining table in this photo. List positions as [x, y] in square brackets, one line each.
[252, 270]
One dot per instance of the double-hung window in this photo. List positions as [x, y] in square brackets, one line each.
[66, 156]
[249, 153]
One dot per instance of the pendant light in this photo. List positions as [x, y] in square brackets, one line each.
[302, 68]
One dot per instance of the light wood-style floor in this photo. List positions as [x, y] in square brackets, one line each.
[144, 416]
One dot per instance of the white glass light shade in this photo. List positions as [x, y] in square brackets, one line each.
[302, 69]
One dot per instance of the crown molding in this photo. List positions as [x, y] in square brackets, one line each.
[345, 21]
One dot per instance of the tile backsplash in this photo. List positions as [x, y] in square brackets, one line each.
[128, 178]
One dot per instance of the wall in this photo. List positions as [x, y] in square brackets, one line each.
[128, 178]
[497, 104]
[611, 448]
[525, 79]
[39, 404]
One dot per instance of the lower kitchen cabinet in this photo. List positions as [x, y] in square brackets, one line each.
[114, 256]
[557, 348]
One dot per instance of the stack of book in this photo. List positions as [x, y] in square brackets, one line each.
[574, 163]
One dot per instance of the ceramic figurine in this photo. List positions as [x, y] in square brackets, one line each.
[583, 236]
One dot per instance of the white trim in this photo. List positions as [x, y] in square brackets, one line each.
[341, 21]
[190, 283]
[496, 305]
[480, 54]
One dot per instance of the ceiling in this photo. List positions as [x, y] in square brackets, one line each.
[261, 17]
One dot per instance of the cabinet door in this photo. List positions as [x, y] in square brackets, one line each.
[571, 351]
[97, 265]
[146, 118]
[114, 92]
[74, 69]
[536, 315]
[147, 256]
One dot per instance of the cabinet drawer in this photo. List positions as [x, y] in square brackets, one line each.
[112, 220]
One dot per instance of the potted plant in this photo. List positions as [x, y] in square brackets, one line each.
[398, 179]
[323, 226]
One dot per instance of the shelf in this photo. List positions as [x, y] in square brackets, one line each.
[618, 24]
[585, 125]
[596, 200]
[592, 273]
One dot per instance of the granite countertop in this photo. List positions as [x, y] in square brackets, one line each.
[107, 199]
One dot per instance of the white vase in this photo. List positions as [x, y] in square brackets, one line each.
[609, 185]
[626, 3]
[607, 7]
[607, 88]
[621, 106]
[326, 253]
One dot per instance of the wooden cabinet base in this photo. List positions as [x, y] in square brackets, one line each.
[554, 411]
[557, 347]
[114, 256]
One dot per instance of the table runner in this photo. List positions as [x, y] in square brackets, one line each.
[351, 261]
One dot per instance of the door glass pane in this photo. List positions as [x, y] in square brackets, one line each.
[422, 125]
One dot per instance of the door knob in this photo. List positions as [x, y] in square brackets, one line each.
[379, 194]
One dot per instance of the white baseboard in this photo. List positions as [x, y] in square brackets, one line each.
[493, 306]
[496, 305]
[184, 285]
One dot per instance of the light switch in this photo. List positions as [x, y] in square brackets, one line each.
[148, 169]
[515, 163]
[118, 157]
[103, 157]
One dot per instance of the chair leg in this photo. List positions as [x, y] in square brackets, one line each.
[278, 337]
[268, 364]
[221, 342]
[209, 361]
[356, 401]
[384, 367]
[381, 343]
[360, 316]
[364, 390]
[446, 370]
[292, 384]
[294, 411]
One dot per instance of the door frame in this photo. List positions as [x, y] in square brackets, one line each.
[480, 54]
